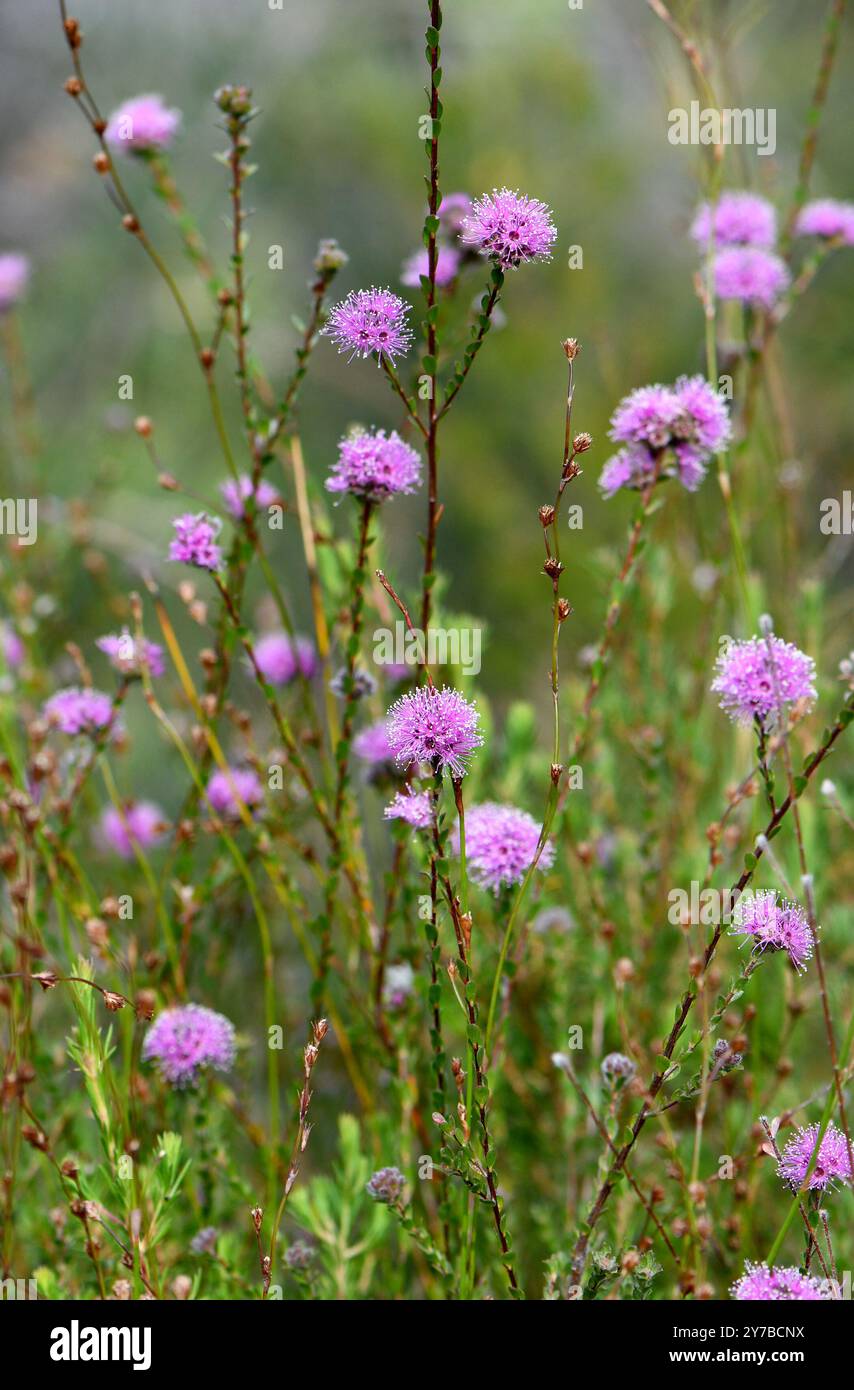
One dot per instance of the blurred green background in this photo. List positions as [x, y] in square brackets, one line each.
[569, 105]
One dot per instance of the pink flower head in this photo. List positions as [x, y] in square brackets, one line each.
[222, 787]
[827, 218]
[125, 656]
[434, 726]
[11, 646]
[183, 1042]
[832, 1165]
[501, 842]
[749, 274]
[447, 267]
[688, 420]
[195, 541]
[236, 494]
[741, 219]
[142, 125]
[510, 228]
[282, 658]
[761, 1284]
[372, 744]
[369, 321]
[774, 925]
[412, 807]
[373, 465]
[14, 277]
[142, 823]
[453, 210]
[78, 710]
[755, 682]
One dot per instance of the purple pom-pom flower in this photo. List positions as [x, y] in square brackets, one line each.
[754, 682]
[281, 658]
[777, 1284]
[740, 219]
[186, 1041]
[222, 787]
[14, 277]
[774, 924]
[235, 495]
[751, 275]
[827, 218]
[141, 823]
[371, 321]
[668, 431]
[412, 807]
[428, 725]
[418, 265]
[501, 842]
[128, 657]
[78, 710]
[374, 465]
[832, 1165]
[510, 228]
[195, 541]
[143, 125]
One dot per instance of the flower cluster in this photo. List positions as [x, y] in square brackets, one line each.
[501, 842]
[386, 1186]
[183, 1042]
[195, 541]
[374, 465]
[236, 493]
[78, 710]
[832, 1164]
[509, 228]
[666, 431]
[128, 657]
[828, 219]
[434, 726]
[740, 219]
[14, 277]
[743, 229]
[143, 125]
[282, 658]
[412, 807]
[764, 1284]
[140, 823]
[758, 678]
[371, 321]
[371, 744]
[774, 925]
[223, 785]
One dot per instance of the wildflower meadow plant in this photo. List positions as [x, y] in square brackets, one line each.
[328, 979]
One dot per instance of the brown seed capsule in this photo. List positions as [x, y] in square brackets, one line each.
[146, 1002]
[564, 609]
[207, 357]
[553, 567]
[571, 347]
[114, 1002]
[101, 162]
[143, 426]
[167, 482]
[547, 515]
[73, 86]
[130, 223]
[582, 442]
[623, 970]
[69, 1168]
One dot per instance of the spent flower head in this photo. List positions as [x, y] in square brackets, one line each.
[387, 1185]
